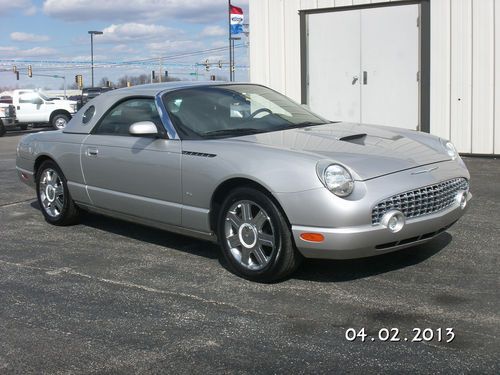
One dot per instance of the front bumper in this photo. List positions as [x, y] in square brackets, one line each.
[369, 240]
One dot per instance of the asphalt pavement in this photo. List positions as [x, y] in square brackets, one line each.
[107, 296]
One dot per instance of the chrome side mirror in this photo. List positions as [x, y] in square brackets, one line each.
[143, 128]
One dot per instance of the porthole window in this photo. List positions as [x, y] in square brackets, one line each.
[89, 113]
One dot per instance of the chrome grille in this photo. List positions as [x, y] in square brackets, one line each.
[423, 201]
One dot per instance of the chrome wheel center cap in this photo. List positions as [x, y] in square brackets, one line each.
[248, 235]
[50, 192]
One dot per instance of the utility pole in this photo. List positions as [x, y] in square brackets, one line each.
[230, 40]
[159, 71]
[92, 33]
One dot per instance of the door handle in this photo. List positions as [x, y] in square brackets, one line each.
[365, 77]
[92, 151]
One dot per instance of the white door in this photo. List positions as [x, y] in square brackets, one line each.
[363, 65]
[389, 63]
[333, 65]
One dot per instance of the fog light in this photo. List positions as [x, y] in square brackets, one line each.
[462, 199]
[393, 220]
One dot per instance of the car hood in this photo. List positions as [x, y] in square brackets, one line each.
[369, 151]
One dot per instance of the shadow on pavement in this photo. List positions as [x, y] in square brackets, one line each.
[347, 270]
[311, 269]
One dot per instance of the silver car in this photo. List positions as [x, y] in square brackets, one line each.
[243, 165]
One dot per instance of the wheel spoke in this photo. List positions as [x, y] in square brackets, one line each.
[245, 256]
[59, 190]
[259, 255]
[234, 241]
[58, 204]
[265, 239]
[246, 212]
[259, 220]
[234, 219]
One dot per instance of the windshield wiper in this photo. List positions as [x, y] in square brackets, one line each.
[237, 131]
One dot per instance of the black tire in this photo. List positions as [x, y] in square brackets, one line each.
[282, 260]
[69, 214]
[57, 118]
[2, 129]
[23, 126]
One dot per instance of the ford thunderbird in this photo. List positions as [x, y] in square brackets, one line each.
[242, 165]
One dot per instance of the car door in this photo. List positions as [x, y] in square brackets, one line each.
[28, 107]
[133, 175]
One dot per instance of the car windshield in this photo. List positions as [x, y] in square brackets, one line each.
[231, 110]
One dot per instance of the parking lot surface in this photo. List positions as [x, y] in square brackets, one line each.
[109, 296]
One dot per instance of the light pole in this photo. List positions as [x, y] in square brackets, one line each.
[92, 33]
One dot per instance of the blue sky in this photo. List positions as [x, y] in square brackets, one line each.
[51, 35]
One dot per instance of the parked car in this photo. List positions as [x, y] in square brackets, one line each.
[89, 93]
[34, 107]
[272, 184]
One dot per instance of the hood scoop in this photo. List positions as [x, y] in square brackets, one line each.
[358, 139]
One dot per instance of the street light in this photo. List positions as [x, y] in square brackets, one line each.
[92, 33]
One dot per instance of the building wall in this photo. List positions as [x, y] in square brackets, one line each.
[465, 63]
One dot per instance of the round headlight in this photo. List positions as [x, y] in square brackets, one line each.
[338, 180]
[451, 150]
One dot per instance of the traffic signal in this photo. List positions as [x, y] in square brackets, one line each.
[212, 77]
[17, 75]
[220, 64]
[30, 71]
[166, 73]
[207, 65]
[153, 74]
[108, 84]
[79, 80]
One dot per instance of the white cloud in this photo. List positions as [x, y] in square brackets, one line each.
[30, 11]
[24, 5]
[124, 48]
[15, 52]
[200, 11]
[220, 43]
[19, 36]
[128, 32]
[214, 31]
[166, 47]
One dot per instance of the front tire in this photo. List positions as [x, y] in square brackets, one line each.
[59, 121]
[255, 238]
[53, 195]
[2, 129]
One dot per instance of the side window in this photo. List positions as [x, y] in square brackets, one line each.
[118, 120]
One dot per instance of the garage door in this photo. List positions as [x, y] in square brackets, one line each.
[363, 65]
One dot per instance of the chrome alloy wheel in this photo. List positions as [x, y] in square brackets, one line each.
[51, 192]
[250, 235]
[60, 123]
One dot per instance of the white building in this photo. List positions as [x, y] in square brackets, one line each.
[431, 65]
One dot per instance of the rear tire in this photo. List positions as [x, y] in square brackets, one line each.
[59, 121]
[255, 238]
[53, 195]
[23, 126]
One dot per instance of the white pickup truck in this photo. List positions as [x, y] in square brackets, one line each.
[35, 107]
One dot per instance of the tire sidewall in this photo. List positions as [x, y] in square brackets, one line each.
[280, 228]
[67, 198]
